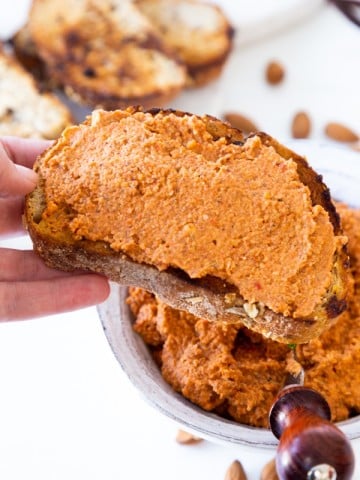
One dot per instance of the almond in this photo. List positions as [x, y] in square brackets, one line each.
[186, 438]
[274, 73]
[235, 472]
[340, 132]
[239, 121]
[269, 471]
[301, 125]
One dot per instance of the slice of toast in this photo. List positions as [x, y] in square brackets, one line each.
[105, 53]
[199, 33]
[227, 228]
[25, 111]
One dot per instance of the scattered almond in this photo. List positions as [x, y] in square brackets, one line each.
[186, 438]
[239, 121]
[269, 471]
[340, 132]
[301, 125]
[274, 73]
[356, 146]
[235, 472]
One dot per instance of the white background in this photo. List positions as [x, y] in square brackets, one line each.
[66, 409]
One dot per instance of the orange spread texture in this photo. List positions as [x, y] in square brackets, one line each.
[166, 193]
[237, 373]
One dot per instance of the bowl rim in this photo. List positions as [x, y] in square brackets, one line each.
[137, 363]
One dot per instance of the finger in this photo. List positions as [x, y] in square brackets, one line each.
[24, 265]
[24, 151]
[14, 179]
[11, 210]
[22, 300]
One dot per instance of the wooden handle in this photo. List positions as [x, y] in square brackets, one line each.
[310, 447]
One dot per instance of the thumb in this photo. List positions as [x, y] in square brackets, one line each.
[15, 179]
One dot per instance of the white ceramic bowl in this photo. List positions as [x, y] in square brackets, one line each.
[340, 168]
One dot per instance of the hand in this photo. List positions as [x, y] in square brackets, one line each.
[28, 288]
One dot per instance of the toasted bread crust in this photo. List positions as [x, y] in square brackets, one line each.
[200, 75]
[199, 296]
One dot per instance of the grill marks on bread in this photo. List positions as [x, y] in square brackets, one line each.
[116, 53]
[105, 53]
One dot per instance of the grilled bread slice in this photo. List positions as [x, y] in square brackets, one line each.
[25, 111]
[199, 33]
[105, 53]
[227, 228]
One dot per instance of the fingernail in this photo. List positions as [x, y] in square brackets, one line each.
[27, 174]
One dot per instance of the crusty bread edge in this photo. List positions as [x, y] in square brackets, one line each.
[203, 73]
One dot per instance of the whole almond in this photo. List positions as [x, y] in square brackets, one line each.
[186, 438]
[340, 132]
[269, 471]
[274, 73]
[239, 121]
[301, 125]
[235, 472]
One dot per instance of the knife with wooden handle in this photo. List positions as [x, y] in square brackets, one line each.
[350, 8]
[310, 446]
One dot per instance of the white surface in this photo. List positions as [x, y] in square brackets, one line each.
[254, 20]
[66, 409]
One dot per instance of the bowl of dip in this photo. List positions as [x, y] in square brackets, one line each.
[340, 168]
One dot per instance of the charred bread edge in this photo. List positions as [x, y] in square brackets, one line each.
[201, 73]
[200, 298]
